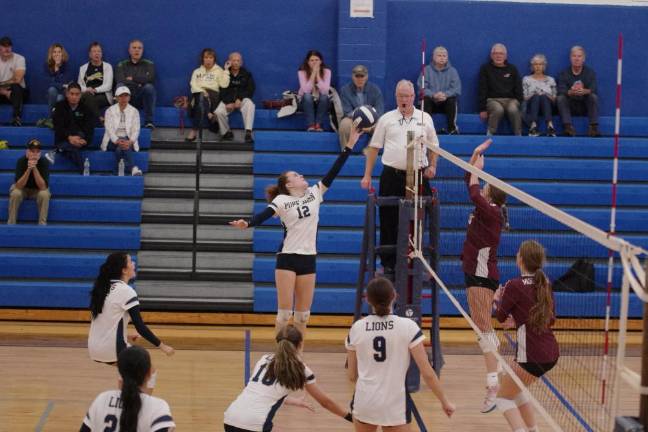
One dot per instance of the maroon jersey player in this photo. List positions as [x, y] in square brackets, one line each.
[479, 263]
[529, 301]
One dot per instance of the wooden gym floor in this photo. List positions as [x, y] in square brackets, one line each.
[48, 381]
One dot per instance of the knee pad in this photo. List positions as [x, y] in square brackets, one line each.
[283, 316]
[489, 342]
[302, 317]
[521, 399]
[152, 380]
[504, 405]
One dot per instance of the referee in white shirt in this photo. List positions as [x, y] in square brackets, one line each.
[391, 136]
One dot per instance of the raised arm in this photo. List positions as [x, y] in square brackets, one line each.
[327, 181]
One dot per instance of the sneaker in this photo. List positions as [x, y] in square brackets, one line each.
[311, 128]
[229, 136]
[149, 125]
[16, 121]
[136, 171]
[593, 131]
[489, 400]
[569, 130]
[533, 131]
[318, 128]
[248, 136]
[454, 131]
[51, 156]
[551, 132]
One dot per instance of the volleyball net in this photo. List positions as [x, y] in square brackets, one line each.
[598, 281]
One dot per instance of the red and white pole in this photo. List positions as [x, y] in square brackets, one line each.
[612, 232]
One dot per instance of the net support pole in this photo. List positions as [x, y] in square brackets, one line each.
[643, 399]
[621, 343]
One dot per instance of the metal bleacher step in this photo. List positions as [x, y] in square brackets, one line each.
[201, 246]
[173, 167]
[187, 218]
[186, 193]
[199, 275]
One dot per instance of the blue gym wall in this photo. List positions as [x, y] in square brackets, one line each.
[274, 35]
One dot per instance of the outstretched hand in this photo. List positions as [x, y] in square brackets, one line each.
[354, 136]
[300, 402]
[240, 224]
[449, 408]
[481, 148]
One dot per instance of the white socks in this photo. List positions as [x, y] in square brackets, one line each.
[491, 379]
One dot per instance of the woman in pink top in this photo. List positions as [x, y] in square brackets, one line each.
[314, 83]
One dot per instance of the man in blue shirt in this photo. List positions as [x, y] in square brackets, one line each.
[442, 88]
[355, 94]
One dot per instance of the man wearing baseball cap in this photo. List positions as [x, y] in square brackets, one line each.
[31, 181]
[355, 94]
[122, 123]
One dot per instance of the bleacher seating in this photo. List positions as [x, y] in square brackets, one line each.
[90, 216]
[53, 266]
[574, 174]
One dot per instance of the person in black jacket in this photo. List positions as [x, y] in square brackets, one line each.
[237, 96]
[73, 126]
[138, 74]
[500, 90]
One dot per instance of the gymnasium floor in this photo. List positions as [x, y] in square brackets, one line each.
[48, 381]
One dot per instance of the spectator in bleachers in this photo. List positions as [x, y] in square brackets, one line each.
[122, 130]
[206, 82]
[31, 180]
[12, 79]
[237, 96]
[577, 93]
[314, 84]
[96, 80]
[539, 95]
[73, 126]
[138, 74]
[500, 91]
[355, 94]
[56, 68]
[442, 88]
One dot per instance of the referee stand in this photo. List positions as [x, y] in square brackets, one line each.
[409, 275]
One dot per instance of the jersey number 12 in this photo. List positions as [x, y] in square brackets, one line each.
[380, 345]
[303, 212]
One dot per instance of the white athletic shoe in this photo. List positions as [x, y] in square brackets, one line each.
[489, 400]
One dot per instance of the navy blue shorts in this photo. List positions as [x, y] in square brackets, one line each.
[300, 264]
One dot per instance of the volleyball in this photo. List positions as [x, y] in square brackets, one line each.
[364, 117]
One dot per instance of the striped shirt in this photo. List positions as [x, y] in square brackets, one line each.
[479, 254]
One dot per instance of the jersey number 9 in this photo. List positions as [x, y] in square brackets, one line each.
[380, 345]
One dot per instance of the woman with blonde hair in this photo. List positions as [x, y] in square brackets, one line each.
[56, 68]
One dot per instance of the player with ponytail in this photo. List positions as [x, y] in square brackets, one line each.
[297, 205]
[130, 408]
[274, 377]
[527, 303]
